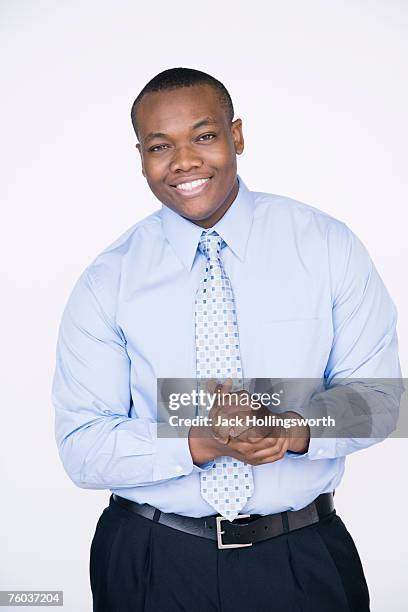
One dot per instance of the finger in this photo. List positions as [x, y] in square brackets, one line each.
[211, 385]
[269, 455]
[215, 387]
[220, 437]
[239, 431]
[224, 394]
[248, 448]
[263, 442]
[256, 434]
[220, 392]
[215, 405]
[268, 452]
[221, 432]
[227, 386]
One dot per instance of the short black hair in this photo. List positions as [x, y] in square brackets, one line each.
[175, 78]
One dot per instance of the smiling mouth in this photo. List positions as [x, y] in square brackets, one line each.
[192, 187]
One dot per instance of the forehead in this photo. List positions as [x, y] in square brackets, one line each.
[170, 110]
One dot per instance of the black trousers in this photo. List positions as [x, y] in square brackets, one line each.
[137, 565]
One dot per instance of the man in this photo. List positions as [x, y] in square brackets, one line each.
[221, 283]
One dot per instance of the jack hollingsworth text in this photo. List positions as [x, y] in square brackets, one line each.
[269, 420]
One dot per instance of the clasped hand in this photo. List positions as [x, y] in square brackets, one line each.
[254, 444]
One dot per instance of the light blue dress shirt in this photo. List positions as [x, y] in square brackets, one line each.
[309, 302]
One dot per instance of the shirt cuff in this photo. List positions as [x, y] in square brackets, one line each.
[172, 457]
[319, 448]
[203, 467]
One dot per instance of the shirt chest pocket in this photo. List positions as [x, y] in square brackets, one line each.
[297, 348]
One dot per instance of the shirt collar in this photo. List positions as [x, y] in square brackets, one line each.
[234, 228]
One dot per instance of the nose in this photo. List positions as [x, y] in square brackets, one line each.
[185, 159]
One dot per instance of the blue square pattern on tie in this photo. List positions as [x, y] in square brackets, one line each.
[236, 477]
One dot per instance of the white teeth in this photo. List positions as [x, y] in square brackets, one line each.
[192, 185]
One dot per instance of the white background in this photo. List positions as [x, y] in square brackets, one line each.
[321, 88]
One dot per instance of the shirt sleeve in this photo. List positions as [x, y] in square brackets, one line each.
[363, 371]
[100, 446]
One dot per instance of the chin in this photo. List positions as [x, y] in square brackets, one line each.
[201, 214]
[198, 216]
[194, 211]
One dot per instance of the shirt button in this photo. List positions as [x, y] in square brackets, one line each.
[320, 451]
[179, 469]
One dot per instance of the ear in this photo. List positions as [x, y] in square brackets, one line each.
[237, 135]
[141, 158]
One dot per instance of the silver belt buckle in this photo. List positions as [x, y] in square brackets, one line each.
[220, 533]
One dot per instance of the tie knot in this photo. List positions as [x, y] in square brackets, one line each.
[210, 245]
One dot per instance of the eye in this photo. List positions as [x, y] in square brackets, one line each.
[157, 148]
[206, 137]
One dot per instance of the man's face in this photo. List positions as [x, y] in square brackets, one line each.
[188, 149]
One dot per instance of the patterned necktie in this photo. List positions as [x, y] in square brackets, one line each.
[229, 483]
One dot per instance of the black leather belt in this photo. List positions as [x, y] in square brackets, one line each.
[244, 530]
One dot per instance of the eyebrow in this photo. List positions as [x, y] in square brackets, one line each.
[198, 124]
